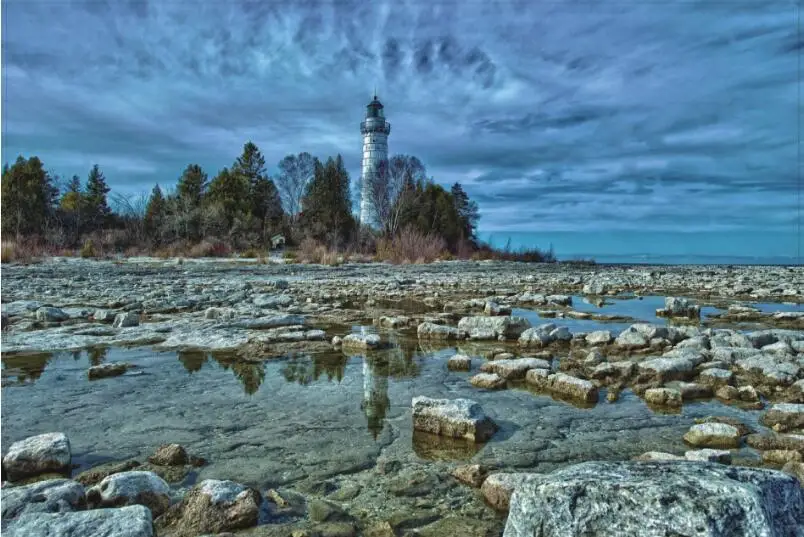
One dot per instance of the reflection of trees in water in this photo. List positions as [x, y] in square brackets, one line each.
[192, 361]
[305, 368]
[26, 367]
[97, 355]
[250, 374]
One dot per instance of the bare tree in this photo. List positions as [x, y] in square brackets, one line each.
[131, 209]
[391, 190]
[295, 171]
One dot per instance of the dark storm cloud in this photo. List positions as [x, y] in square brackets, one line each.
[554, 115]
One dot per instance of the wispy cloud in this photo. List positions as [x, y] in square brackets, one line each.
[562, 115]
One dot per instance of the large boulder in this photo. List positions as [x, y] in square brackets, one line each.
[456, 418]
[51, 496]
[212, 506]
[131, 488]
[648, 499]
[44, 453]
[484, 327]
[131, 521]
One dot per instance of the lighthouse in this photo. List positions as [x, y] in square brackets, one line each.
[375, 131]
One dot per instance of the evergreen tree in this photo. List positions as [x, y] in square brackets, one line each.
[192, 185]
[230, 191]
[155, 213]
[327, 203]
[28, 194]
[95, 203]
[467, 211]
[265, 202]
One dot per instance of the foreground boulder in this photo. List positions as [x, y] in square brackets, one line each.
[212, 507]
[455, 418]
[131, 521]
[131, 488]
[51, 496]
[642, 499]
[41, 454]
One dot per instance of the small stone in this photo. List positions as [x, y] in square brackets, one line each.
[489, 381]
[663, 397]
[169, 455]
[714, 435]
[781, 456]
[727, 393]
[327, 511]
[470, 474]
[457, 418]
[124, 320]
[111, 369]
[709, 455]
[459, 362]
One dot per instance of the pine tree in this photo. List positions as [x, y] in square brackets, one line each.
[230, 191]
[28, 194]
[467, 211]
[155, 213]
[192, 185]
[265, 202]
[327, 212]
[95, 203]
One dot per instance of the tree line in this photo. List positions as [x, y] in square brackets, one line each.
[242, 205]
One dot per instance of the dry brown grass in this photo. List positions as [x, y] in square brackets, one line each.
[410, 246]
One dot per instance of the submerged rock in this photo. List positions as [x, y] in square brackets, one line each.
[456, 418]
[52, 496]
[131, 521]
[646, 499]
[112, 369]
[131, 488]
[470, 474]
[212, 506]
[44, 453]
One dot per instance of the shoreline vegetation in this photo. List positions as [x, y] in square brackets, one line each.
[239, 212]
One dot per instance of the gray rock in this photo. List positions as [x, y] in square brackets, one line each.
[456, 418]
[125, 320]
[428, 330]
[131, 521]
[103, 316]
[361, 341]
[51, 315]
[716, 435]
[272, 301]
[631, 339]
[49, 452]
[679, 307]
[709, 455]
[544, 334]
[514, 368]
[493, 327]
[784, 417]
[663, 397]
[572, 387]
[51, 496]
[599, 337]
[498, 488]
[489, 381]
[131, 488]
[648, 499]
[716, 376]
[459, 362]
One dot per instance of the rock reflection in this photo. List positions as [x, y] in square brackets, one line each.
[433, 447]
[25, 368]
[97, 355]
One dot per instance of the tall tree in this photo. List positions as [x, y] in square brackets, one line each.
[295, 171]
[266, 204]
[230, 191]
[96, 204]
[327, 203]
[467, 211]
[155, 213]
[390, 190]
[190, 192]
[28, 196]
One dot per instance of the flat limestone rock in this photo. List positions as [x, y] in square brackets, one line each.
[131, 521]
[784, 417]
[51, 496]
[514, 368]
[714, 435]
[456, 418]
[647, 499]
[490, 381]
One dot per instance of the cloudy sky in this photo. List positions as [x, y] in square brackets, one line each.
[558, 116]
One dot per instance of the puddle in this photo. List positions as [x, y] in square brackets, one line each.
[313, 416]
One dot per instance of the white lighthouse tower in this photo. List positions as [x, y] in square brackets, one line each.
[375, 131]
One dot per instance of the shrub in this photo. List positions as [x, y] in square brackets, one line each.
[252, 253]
[88, 249]
[409, 246]
[290, 256]
[207, 248]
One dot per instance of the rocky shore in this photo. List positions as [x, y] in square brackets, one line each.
[494, 393]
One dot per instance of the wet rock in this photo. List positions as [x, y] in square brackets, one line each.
[492, 308]
[498, 488]
[670, 367]
[272, 301]
[414, 483]
[774, 441]
[493, 327]
[361, 341]
[544, 334]
[337, 341]
[631, 339]
[781, 456]
[98, 473]
[111, 369]
[346, 492]
[796, 469]
[131, 521]
[211, 506]
[691, 390]
[784, 417]
[169, 455]
[715, 435]
[770, 369]
[52, 496]
[709, 455]
[335, 529]
[741, 427]
[595, 287]
[125, 320]
[572, 387]
[224, 314]
[642, 499]
[716, 377]
[429, 330]
[44, 453]
[663, 397]
[747, 394]
[457, 418]
[727, 393]
[459, 362]
[538, 378]
[658, 456]
[489, 381]
[327, 511]
[514, 369]
[679, 307]
[470, 474]
[131, 488]
[599, 337]
[47, 314]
